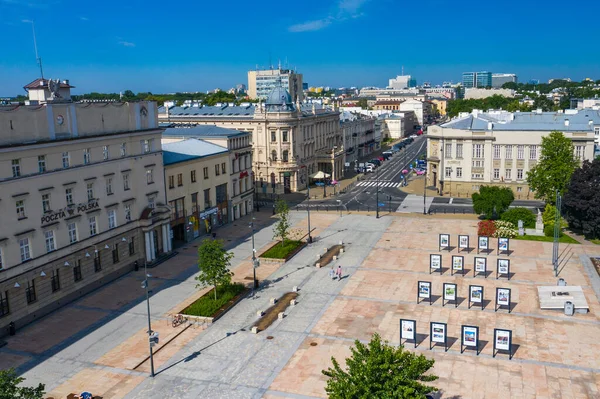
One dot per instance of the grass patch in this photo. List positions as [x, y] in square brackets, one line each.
[207, 306]
[565, 239]
[273, 312]
[279, 251]
[596, 241]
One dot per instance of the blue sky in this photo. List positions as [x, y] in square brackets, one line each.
[167, 46]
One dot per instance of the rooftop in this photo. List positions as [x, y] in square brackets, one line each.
[227, 111]
[199, 131]
[41, 83]
[187, 150]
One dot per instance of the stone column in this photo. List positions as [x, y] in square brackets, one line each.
[165, 238]
[152, 248]
[148, 248]
[170, 244]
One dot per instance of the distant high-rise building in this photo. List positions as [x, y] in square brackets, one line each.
[402, 82]
[262, 82]
[304, 86]
[477, 79]
[498, 79]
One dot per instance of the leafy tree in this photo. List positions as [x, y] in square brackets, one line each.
[363, 103]
[582, 200]
[554, 169]
[515, 214]
[10, 389]
[379, 370]
[214, 263]
[492, 201]
[282, 227]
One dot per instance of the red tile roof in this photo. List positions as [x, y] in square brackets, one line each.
[43, 83]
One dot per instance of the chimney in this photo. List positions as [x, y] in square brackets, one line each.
[490, 125]
[566, 122]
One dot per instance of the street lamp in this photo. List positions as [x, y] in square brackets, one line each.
[340, 206]
[151, 335]
[254, 260]
[425, 193]
[377, 194]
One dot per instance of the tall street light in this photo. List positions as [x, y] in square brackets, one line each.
[308, 202]
[425, 194]
[377, 194]
[151, 335]
[254, 260]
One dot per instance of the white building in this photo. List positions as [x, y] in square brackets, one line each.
[479, 93]
[358, 131]
[402, 82]
[261, 82]
[422, 109]
[498, 79]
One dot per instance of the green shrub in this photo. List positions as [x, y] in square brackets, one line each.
[207, 306]
[282, 251]
[513, 215]
[549, 231]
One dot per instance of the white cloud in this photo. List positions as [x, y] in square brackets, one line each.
[126, 44]
[344, 9]
[84, 18]
[311, 25]
[351, 6]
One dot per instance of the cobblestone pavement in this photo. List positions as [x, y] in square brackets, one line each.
[556, 355]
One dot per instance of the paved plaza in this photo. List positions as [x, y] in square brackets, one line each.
[99, 343]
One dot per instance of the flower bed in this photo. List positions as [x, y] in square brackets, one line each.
[273, 312]
[207, 306]
[283, 252]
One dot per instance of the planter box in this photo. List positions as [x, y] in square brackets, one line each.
[219, 313]
[281, 261]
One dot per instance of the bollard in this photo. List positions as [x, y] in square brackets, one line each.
[11, 328]
[280, 315]
[293, 302]
[260, 313]
[295, 289]
[273, 301]
[334, 257]
[318, 265]
[254, 330]
[341, 250]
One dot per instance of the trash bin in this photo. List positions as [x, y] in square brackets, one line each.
[561, 282]
[136, 267]
[11, 328]
[214, 236]
[569, 308]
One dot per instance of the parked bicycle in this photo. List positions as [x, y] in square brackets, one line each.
[178, 320]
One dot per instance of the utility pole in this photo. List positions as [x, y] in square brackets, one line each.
[308, 210]
[150, 332]
[377, 194]
[254, 260]
[556, 233]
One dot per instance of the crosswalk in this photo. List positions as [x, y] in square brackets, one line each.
[381, 184]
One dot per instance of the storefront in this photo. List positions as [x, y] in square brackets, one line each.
[208, 219]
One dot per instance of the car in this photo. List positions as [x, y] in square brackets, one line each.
[395, 149]
[370, 168]
[375, 162]
[420, 172]
[414, 136]
[386, 156]
[390, 153]
[381, 158]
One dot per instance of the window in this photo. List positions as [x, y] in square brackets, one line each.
[97, 261]
[109, 190]
[112, 219]
[205, 170]
[478, 163]
[274, 155]
[179, 179]
[87, 157]
[93, 226]
[233, 165]
[477, 150]
[459, 150]
[223, 170]
[496, 173]
[519, 189]
[207, 198]
[128, 213]
[55, 281]
[193, 176]
[25, 250]
[496, 151]
[458, 172]
[508, 152]
[115, 254]
[77, 271]
[90, 191]
[66, 160]
[72, 228]
[1, 263]
[448, 151]
[273, 136]
[21, 209]
[105, 153]
[477, 176]
[579, 152]
[151, 202]
[46, 203]
[147, 146]
[126, 181]
[520, 152]
[131, 245]
[285, 155]
[597, 131]
[49, 237]
[69, 196]
[519, 174]
[448, 172]
[508, 174]
[217, 170]
[533, 152]
[4, 309]
[30, 292]
[42, 163]
[16, 167]
[171, 181]
[284, 135]
[149, 176]
[123, 149]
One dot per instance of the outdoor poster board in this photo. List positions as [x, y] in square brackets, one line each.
[424, 290]
[437, 335]
[503, 268]
[480, 266]
[469, 338]
[435, 263]
[458, 264]
[463, 242]
[444, 241]
[503, 341]
[503, 245]
[476, 295]
[450, 293]
[408, 330]
[502, 298]
[483, 243]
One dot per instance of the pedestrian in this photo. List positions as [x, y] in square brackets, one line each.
[339, 272]
[332, 273]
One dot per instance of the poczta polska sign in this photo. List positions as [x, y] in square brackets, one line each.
[70, 211]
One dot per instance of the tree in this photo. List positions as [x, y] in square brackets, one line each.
[282, 228]
[9, 388]
[214, 263]
[492, 201]
[379, 370]
[513, 215]
[582, 202]
[554, 169]
[363, 103]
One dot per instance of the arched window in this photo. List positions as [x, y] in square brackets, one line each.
[274, 155]
[285, 155]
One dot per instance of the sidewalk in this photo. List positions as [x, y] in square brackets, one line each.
[415, 186]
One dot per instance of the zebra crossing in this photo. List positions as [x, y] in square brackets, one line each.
[381, 184]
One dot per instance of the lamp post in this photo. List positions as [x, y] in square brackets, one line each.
[377, 194]
[254, 260]
[339, 202]
[150, 332]
[308, 211]
[425, 194]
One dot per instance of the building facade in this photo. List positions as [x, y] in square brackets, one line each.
[261, 82]
[498, 79]
[398, 125]
[239, 165]
[290, 141]
[402, 82]
[421, 109]
[197, 187]
[82, 201]
[477, 79]
[358, 131]
[387, 105]
[498, 148]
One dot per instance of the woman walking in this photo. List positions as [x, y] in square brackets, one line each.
[338, 272]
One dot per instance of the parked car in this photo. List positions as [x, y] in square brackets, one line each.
[414, 136]
[381, 158]
[370, 168]
[395, 149]
[420, 172]
[375, 162]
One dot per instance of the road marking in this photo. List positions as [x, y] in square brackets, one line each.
[451, 199]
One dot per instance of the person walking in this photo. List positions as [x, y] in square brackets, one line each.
[332, 274]
[338, 272]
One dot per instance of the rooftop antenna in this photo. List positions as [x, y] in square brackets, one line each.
[37, 57]
[279, 65]
[402, 70]
[270, 61]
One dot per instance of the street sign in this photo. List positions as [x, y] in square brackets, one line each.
[381, 204]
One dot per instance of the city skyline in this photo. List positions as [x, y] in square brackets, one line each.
[340, 43]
